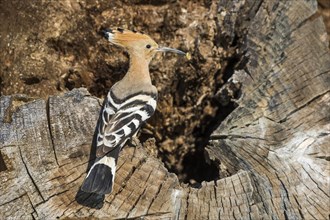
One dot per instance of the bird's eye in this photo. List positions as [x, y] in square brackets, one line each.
[148, 46]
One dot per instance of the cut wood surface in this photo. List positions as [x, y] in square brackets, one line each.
[275, 144]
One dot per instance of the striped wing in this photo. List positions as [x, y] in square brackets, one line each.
[121, 119]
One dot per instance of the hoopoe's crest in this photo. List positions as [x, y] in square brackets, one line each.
[127, 38]
[129, 103]
[136, 42]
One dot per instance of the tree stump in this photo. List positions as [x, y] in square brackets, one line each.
[275, 144]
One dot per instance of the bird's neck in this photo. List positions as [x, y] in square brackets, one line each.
[138, 71]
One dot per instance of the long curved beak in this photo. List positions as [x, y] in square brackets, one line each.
[168, 49]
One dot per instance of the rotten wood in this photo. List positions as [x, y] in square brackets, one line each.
[274, 145]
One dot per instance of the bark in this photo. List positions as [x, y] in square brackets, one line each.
[274, 144]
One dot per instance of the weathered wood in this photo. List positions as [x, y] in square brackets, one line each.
[274, 144]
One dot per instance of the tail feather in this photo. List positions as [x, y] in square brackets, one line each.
[100, 178]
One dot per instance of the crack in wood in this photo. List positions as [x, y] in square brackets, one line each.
[81, 164]
[126, 179]
[318, 204]
[50, 129]
[247, 197]
[68, 207]
[10, 201]
[209, 208]
[200, 206]
[34, 210]
[128, 196]
[32, 216]
[286, 190]
[257, 194]
[258, 7]
[123, 163]
[140, 196]
[157, 193]
[70, 162]
[260, 162]
[299, 207]
[51, 196]
[29, 174]
[314, 181]
[233, 214]
[135, 203]
[72, 181]
[61, 186]
[215, 192]
[177, 213]
[310, 18]
[303, 106]
[54, 178]
[286, 194]
[316, 171]
[227, 136]
[219, 214]
[313, 205]
[187, 205]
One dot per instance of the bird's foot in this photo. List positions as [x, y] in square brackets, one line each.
[134, 142]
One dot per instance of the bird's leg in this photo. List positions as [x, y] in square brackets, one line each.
[134, 142]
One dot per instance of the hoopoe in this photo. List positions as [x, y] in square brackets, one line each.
[129, 103]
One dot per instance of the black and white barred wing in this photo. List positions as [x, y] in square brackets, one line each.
[101, 175]
[131, 114]
[115, 129]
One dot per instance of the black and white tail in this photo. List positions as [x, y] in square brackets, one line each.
[120, 120]
[100, 177]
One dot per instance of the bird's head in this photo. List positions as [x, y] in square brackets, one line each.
[136, 43]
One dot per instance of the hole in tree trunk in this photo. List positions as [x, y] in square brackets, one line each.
[184, 134]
